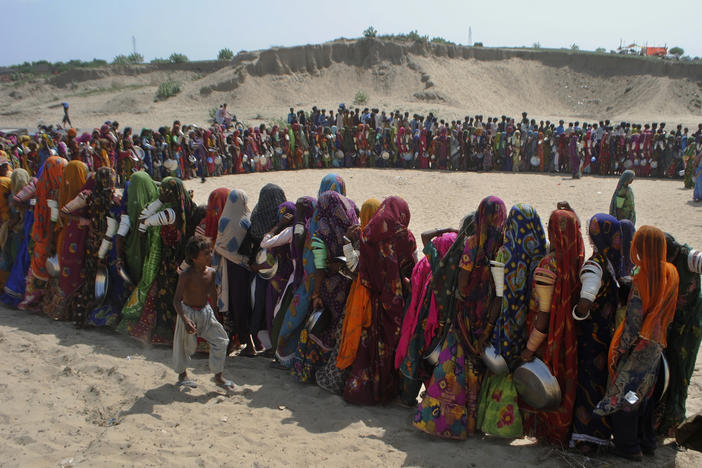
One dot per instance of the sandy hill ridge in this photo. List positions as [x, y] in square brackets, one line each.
[450, 80]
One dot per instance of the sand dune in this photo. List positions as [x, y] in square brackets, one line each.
[453, 81]
[92, 398]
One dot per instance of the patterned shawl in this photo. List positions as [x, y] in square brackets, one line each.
[606, 236]
[265, 214]
[524, 247]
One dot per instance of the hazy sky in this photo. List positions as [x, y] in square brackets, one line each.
[84, 29]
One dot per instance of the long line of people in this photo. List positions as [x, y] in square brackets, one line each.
[337, 297]
[372, 138]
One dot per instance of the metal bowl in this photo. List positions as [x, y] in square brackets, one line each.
[494, 361]
[53, 267]
[125, 277]
[102, 282]
[269, 262]
[317, 322]
[536, 386]
[665, 375]
[432, 357]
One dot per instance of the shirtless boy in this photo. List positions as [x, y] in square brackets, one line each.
[196, 317]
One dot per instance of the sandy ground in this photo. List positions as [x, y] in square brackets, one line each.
[92, 398]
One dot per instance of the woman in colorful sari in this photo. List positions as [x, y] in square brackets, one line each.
[357, 314]
[697, 164]
[335, 215]
[19, 239]
[43, 231]
[177, 224]
[278, 241]
[304, 210]
[296, 313]
[101, 203]
[450, 407]
[420, 321]
[524, 248]
[71, 261]
[387, 257]
[637, 346]
[622, 205]
[594, 326]
[141, 252]
[552, 334]
[684, 334]
[264, 217]
[232, 258]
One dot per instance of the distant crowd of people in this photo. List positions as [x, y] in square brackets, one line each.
[372, 138]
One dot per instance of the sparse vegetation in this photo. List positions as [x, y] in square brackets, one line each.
[601, 50]
[677, 51]
[160, 60]
[225, 54]
[121, 59]
[574, 46]
[360, 98]
[370, 32]
[536, 45]
[167, 89]
[441, 40]
[212, 112]
[178, 58]
[135, 58]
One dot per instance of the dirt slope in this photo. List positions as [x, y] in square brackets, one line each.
[451, 80]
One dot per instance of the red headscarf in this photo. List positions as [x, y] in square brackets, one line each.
[215, 205]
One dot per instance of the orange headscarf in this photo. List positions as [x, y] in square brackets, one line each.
[74, 176]
[657, 284]
[47, 189]
[358, 305]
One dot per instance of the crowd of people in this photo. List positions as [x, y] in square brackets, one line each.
[336, 296]
[372, 138]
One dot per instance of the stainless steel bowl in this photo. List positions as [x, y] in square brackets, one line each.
[269, 262]
[494, 361]
[317, 322]
[53, 267]
[537, 386]
[125, 276]
[102, 280]
[666, 375]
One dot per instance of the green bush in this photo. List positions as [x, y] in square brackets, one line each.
[135, 58]
[370, 32]
[120, 60]
[574, 46]
[677, 51]
[158, 60]
[167, 89]
[536, 45]
[441, 40]
[178, 58]
[601, 50]
[360, 98]
[225, 54]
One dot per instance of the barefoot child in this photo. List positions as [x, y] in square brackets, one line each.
[195, 316]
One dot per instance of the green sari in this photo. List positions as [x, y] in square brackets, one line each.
[143, 255]
[684, 336]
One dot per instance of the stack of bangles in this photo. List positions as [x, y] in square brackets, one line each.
[535, 340]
